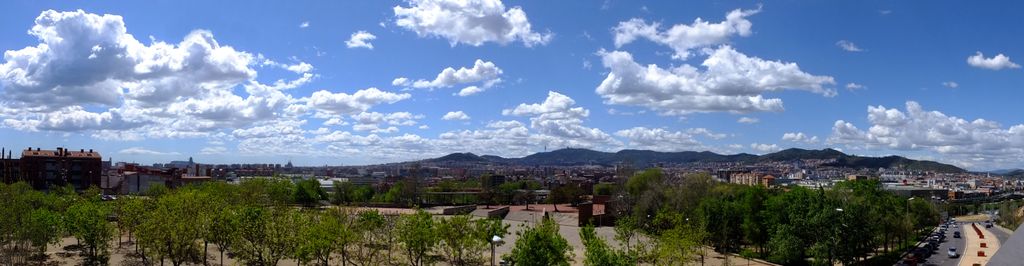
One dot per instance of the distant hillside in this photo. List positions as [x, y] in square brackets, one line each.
[644, 158]
[459, 157]
[1019, 173]
[895, 161]
[802, 154]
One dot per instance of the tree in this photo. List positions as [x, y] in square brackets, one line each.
[604, 189]
[223, 229]
[345, 232]
[130, 211]
[598, 253]
[457, 242]
[87, 221]
[342, 192]
[463, 240]
[265, 236]
[173, 226]
[541, 245]
[418, 236]
[377, 234]
[266, 191]
[565, 194]
[309, 193]
[786, 246]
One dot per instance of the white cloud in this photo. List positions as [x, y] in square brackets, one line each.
[298, 68]
[472, 22]
[484, 72]
[560, 123]
[361, 39]
[854, 86]
[969, 143]
[467, 91]
[997, 62]
[88, 74]
[455, 115]
[663, 140]
[383, 123]
[360, 101]
[799, 137]
[213, 150]
[682, 37]
[748, 120]
[950, 84]
[764, 148]
[731, 82]
[144, 151]
[848, 46]
[304, 24]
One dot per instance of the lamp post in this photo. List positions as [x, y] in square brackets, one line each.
[496, 240]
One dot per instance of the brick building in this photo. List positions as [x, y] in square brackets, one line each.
[44, 169]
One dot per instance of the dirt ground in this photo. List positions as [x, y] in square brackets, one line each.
[64, 254]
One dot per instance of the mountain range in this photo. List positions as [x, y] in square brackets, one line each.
[643, 158]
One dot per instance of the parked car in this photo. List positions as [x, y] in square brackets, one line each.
[952, 253]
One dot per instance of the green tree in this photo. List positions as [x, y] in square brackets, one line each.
[418, 236]
[786, 246]
[541, 245]
[265, 236]
[458, 243]
[377, 234]
[173, 227]
[223, 229]
[87, 222]
[598, 253]
[309, 193]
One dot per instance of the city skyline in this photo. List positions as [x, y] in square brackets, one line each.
[375, 82]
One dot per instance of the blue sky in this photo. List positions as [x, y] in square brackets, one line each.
[277, 81]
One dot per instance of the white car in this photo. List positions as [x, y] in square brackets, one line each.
[952, 253]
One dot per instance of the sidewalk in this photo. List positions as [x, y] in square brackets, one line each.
[971, 255]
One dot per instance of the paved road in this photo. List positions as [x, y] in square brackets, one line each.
[939, 257]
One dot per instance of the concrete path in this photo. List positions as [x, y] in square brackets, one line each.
[975, 254]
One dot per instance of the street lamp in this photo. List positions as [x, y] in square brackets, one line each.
[496, 240]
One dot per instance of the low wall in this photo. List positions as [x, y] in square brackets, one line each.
[458, 210]
[498, 213]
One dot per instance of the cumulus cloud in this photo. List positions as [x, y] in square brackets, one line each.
[88, 74]
[144, 151]
[799, 137]
[347, 104]
[467, 91]
[361, 39]
[383, 123]
[472, 22]
[560, 122]
[304, 24]
[748, 120]
[684, 37]
[997, 62]
[455, 115]
[484, 72]
[950, 84]
[764, 148]
[848, 46]
[664, 140]
[730, 82]
[969, 143]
